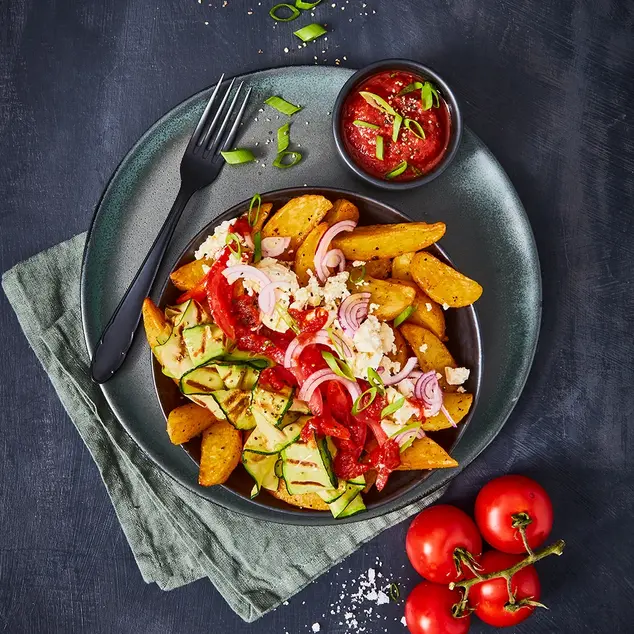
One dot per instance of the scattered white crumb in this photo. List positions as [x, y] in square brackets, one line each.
[316, 627]
[445, 306]
[461, 390]
[423, 348]
[403, 621]
[428, 306]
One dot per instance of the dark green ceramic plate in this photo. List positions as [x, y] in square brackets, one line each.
[488, 236]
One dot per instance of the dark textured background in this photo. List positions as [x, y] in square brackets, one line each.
[547, 85]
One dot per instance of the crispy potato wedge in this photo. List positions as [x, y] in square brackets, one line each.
[265, 212]
[402, 349]
[157, 328]
[443, 283]
[305, 257]
[433, 355]
[401, 267]
[387, 241]
[428, 313]
[425, 454]
[220, 452]
[342, 209]
[379, 269]
[296, 219]
[187, 276]
[304, 501]
[391, 297]
[458, 406]
[187, 421]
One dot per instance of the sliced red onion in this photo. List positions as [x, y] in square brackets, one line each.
[272, 247]
[443, 409]
[335, 259]
[428, 391]
[296, 347]
[406, 436]
[246, 272]
[411, 363]
[420, 433]
[324, 244]
[267, 298]
[248, 241]
[321, 376]
[352, 311]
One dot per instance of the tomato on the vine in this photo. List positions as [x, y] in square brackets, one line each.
[428, 610]
[439, 541]
[508, 502]
[490, 598]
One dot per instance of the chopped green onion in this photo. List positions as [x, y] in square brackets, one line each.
[358, 406]
[285, 317]
[334, 338]
[435, 95]
[415, 128]
[365, 124]
[306, 6]
[379, 147]
[310, 32]
[397, 171]
[376, 381]
[274, 10]
[361, 269]
[426, 96]
[429, 94]
[416, 85]
[296, 157]
[338, 366]
[237, 157]
[396, 126]
[250, 219]
[378, 102]
[281, 105]
[234, 238]
[283, 137]
[394, 592]
[393, 407]
[257, 247]
[401, 317]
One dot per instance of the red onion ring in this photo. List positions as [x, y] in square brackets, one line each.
[335, 259]
[267, 298]
[248, 241]
[273, 246]
[443, 409]
[428, 391]
[246, 272]
[411, 363]
[352, 311]
[296, 347]
[324, 245]
[405, 436]
[321, 376]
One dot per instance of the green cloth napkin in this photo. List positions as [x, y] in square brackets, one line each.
[176, 536]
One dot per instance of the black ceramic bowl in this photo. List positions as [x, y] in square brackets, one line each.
[403, 487]
[417, 69]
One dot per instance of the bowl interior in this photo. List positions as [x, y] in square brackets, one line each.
[462, 329]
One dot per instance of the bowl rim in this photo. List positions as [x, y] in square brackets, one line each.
[398, 500]
[419, 69]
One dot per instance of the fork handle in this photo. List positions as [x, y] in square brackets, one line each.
[117, 336]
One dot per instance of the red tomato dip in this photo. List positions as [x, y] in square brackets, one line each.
[364, 119]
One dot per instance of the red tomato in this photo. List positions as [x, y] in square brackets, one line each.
[219, 294]
[428, 610]
[510, 495]
[489, 597]
[384, 458]
[434, 536]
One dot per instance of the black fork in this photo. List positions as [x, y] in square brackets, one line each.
[201, 164]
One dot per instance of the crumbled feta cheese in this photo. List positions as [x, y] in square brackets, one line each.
[406, 412]
[309, 295]
[335, 289]
[406, 387]
[215, 242]
[423, 348]
[373, 307]
[278, 272]
[445, 306]
[428, 306]
[279, 319]
[456, 376]
[358, 263]
[461, 390]
[391, 367]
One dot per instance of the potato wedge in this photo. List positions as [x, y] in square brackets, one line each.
[187, 276]
[458, 406]
[402, 349]
[304, 501]
[342, 209]
[187, 421]
[443, 283]
[379, 269]
[157, 328]
[265, 212]
[401, 267]
[428, 313]
[425, 454]
[296, 219]
[431, 352]
[220, 452]
[391, 297]
[387, 241]
[305, 257]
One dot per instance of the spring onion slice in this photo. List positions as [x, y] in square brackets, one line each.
[401, 317]
[279, 161]
[365, 124]
[397, 171]
[359, 277]
[237, 157]
[250, 218]
[378, 102]
[394, 592]
[287, 319]
[375, 380]
[283, 137]
[396, 126]
[416, 85]
[379, 147]
[358, 406]
[415, 128]
[393, 407]
[435, 95]
[234, 239]
[306, 6]
[427, 98]
[274, 10]
[257, 247]
[338, 366]
[310, 32]
[281, 105]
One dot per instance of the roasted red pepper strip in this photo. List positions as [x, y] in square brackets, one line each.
[309, 321]
[276, 378]
[384, 459]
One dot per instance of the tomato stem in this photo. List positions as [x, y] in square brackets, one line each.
[521, 521]
[461, 556]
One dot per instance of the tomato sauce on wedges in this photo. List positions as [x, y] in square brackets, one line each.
[421, 155]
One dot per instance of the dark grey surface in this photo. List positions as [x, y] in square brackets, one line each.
[546, 85]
